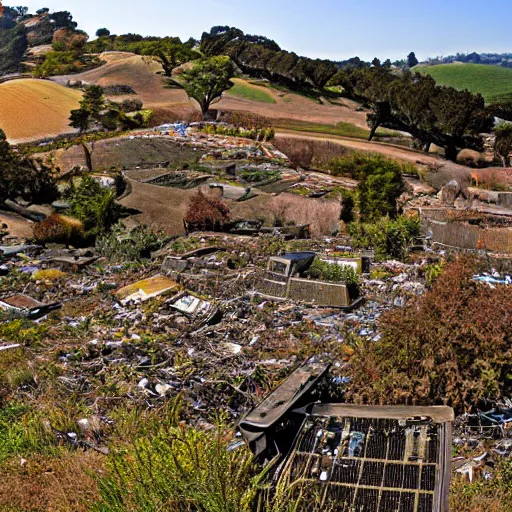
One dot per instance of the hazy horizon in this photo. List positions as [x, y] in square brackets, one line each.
[329, 29]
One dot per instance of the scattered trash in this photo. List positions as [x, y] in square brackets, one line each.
[146, 289]
[26, 306]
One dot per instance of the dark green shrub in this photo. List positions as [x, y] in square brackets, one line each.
[13, 44]
[95, 206]
[388, 238]
[132, 105]
[380, 183]
[20, 176]
[118, 245]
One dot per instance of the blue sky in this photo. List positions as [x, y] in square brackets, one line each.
[335, 29]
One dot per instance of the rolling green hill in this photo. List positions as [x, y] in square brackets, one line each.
[494, 83]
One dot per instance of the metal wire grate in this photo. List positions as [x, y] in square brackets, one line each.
[367, 465]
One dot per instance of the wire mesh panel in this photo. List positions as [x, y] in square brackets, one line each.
[365, 464]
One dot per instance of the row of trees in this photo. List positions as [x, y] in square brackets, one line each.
[96, 111]
[413, 103]
[170, 50]
[493, 59]
[261, 56]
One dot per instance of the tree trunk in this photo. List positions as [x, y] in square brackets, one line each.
[451, 152]
[88, 157]
[427, 146]
[373, 130]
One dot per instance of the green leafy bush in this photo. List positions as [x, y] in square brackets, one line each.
[380, 183]
[118, 245]
[333, 273]
[95, 206]
[388, 238]
[63, 63]
[262, 135]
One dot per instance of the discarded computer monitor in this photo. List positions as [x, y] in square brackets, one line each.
[263, 425]
[285, 279]
[25, 306]
[369, 459]
[291, 264]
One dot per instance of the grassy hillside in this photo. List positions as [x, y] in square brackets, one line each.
[251, 92]
[494, 83]
[34, 109]
[140, 73]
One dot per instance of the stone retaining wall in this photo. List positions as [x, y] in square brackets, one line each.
[442, 227]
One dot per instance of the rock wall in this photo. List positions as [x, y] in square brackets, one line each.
[442, 227]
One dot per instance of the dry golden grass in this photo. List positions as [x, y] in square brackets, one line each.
[290, 106]
[34, 109]
[140, 73]
[322, 215]
[64, 484]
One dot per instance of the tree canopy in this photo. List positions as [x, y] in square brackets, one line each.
[412, 60]
[91, 106]
[102, 32]
[413, 103]
[22, 177]
[170, 50]
[207, 80]
[503, 143]
[261, 56]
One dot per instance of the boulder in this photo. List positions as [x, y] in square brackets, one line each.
[450, 192]
[437, 150]
[471, 158]
[418, 188]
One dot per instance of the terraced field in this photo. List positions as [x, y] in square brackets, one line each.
[34, 109]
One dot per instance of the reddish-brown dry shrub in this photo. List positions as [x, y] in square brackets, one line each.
[58, 484]
[206, 213]
[308, 153]
[451, 346]
[58, 229]
[247, 120]
[492, 179]
[321, 215]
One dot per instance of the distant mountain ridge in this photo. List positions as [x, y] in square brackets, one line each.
[493, 59]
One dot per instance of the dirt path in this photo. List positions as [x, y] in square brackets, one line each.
[445, 171]
[299, 108]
